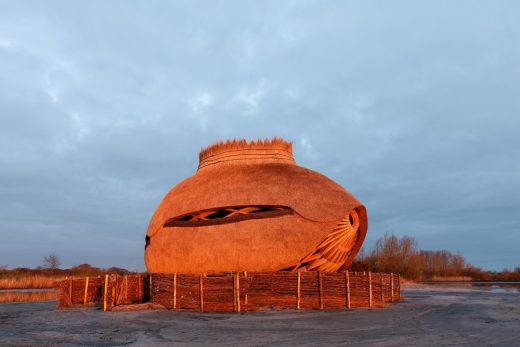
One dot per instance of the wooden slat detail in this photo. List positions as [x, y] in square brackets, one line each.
[332, 253]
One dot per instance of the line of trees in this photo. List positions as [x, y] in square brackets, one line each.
[51, 268]
[402, 255]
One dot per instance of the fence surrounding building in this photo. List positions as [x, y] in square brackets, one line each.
[235, 292]
[107, 291]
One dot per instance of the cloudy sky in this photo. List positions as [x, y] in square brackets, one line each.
[104, 105]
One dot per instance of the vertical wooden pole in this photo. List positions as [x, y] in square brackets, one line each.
[245, 295]
[70, 289]
[320, 282]
[238, 291]
[105, 293]
[201, 292]
[369, 289]
[126, 289]
[86, 291]
[150, 289]
[174, 290]
[298, 291]
[381, 283]
[392, 287]
[347, 285]
[234, 292]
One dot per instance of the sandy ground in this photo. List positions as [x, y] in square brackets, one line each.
[429, 316]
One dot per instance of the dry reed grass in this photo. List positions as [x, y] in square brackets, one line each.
[27, 296]
[274, 143]
[25, 282]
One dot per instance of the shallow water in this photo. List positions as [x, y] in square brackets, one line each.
[494, 287]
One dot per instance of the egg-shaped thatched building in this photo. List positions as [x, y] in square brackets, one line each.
[250, 207]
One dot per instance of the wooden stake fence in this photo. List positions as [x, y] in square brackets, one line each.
[236, 292]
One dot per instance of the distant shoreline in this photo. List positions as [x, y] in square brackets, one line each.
[470, 282]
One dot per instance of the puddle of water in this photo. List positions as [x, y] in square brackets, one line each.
[504, 289]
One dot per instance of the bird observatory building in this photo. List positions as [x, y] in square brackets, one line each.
[252, 230]
[250, 207]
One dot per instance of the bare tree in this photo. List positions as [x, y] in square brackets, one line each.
[52, 261]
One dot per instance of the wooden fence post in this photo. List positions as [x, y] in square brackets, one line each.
[174, 290]
[234, 292]
[201, 292]
[238, 291]
[86, 291]
[369, 289]
[381, 282]
[105, 293]
[320, 282]
[245, 296]
[150, 289]
[298, 291]
[392, 286]
[347, 286]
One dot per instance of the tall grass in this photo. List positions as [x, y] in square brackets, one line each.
[25, 282]
[27, 296]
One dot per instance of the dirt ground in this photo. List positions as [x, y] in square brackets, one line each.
[429, 316]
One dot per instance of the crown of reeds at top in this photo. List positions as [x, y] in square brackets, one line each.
[267, 146]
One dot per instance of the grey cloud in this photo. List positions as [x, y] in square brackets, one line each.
[411, 106]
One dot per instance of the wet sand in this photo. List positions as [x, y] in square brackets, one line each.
[430, 315]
